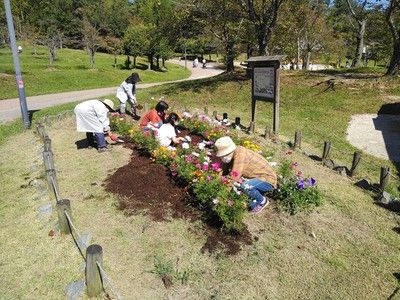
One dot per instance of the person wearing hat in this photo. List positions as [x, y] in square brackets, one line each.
[250, 171]
[92, 118]
[126, 92]
[155, 117]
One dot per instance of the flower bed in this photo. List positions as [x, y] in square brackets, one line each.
[195, 167]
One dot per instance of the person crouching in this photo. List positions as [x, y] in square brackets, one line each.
[249, 170]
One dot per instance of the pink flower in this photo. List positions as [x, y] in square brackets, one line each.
[198, 166]
[173, 174]
[235, 173]
[230, 203]
[204, 167]
[216, 166]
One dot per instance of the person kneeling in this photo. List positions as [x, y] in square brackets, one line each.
[167, 133]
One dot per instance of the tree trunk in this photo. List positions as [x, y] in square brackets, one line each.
[230, 57]
[357, 61]
[394, 64]
[91, 54]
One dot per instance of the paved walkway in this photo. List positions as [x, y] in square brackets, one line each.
[10, 108]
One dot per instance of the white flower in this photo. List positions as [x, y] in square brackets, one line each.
[188, 138]
[185, 145]
[273, 163]
[215, 201]
[195, 154]
[201, 146]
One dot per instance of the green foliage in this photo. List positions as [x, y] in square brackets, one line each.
[296, 193]
[120, 125]
[165, 269]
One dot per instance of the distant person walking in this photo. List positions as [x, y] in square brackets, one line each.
[195, 62]
[126, 92]
[204, 63]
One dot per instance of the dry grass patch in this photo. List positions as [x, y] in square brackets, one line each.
[344, 249]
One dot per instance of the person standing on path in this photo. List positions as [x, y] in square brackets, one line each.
[92, 118]
[126, 92]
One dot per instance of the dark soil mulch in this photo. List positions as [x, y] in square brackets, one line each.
[145, 187]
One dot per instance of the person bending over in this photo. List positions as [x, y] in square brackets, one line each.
[250, 171]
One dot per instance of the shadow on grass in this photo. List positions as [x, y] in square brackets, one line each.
[393, 206]
[82, 144]
[396, 292]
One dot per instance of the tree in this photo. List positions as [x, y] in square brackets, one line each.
[262, 14]
[224, 20]
[136, 40]
[393, 20]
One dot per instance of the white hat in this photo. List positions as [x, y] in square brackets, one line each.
[224, 146]
[109, 103]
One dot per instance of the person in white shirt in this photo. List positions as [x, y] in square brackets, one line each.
[167, 133]
[126, 92]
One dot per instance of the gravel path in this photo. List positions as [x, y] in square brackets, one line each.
[10, 108]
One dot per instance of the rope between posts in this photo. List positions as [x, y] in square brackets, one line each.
[107, 280]
[55, 189]
[75, 230]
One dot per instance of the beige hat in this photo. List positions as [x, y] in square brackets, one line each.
[224, 146]
[109, 103]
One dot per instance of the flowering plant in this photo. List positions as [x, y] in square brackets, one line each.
[213, 192]
[296, 193]
[119, 124]
[163, 155]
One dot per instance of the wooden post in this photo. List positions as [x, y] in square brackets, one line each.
[224, 116]
[237, 121]
[63, 206]
[146, 107]
[327, 148]
[384, 179]
[48, 160]
[41, 130]
[268, 133]
[94, 255]
[297, 139]
[215, 113]
[47, 143]
[252, 126]
[205, 110]
[356, 161]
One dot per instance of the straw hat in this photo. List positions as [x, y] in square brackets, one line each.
[109, 103]
[224, 146]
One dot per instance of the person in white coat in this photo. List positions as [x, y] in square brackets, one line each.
[92, 118]
[126, 92]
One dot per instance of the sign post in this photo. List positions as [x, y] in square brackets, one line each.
[265, 85]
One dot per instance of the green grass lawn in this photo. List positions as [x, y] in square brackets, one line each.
[71, 71]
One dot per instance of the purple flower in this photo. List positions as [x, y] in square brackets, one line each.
[301, 185]
[312, 181]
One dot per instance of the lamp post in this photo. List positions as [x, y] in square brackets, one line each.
[18, 76]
